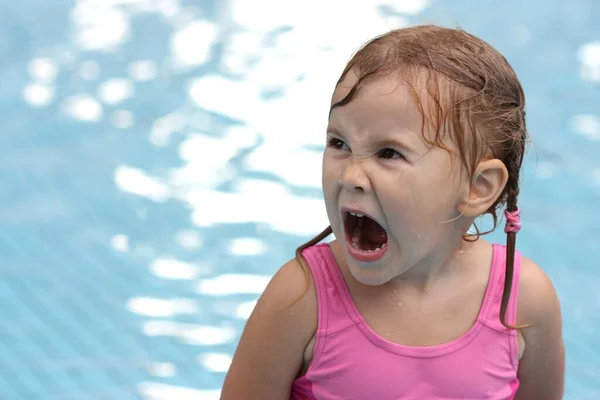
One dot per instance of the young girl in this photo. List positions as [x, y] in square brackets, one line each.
[426, 133]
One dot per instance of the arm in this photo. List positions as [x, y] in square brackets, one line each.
[271, 348]
[542, 367]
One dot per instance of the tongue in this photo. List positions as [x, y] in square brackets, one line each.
[372, 232]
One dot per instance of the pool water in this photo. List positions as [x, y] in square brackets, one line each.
[160, 159]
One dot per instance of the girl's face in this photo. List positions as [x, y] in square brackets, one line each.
[376, 163]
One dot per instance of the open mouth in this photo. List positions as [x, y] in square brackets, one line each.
[364, 235]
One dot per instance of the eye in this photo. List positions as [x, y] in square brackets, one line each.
[390, 154]
[336, 143]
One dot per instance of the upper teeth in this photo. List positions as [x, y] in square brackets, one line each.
[356, 214]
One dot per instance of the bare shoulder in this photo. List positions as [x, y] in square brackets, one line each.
[290, 298]
[271, 348]
[542, 367]
[538, 299]
[291, 285]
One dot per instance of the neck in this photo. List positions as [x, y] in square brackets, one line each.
[445, 261]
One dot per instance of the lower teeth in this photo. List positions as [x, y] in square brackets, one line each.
[356, 234]
[355, 244]
[356, 238]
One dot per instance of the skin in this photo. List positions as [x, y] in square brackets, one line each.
[376, 161]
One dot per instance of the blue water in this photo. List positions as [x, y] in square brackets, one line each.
[107, 283]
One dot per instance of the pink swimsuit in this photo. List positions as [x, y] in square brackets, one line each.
[350, 361]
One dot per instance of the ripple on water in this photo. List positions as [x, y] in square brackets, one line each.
[247, 246]
[589, 62]
[586, 125]
[160, 308]
[201, 335]
[154, 391]
[168, 268]
[215, 362]
[229, 284]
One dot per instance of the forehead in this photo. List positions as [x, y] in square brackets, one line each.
[392, 89]
[383, 103]
[412, 101]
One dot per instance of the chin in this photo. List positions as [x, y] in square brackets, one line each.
[369, 276]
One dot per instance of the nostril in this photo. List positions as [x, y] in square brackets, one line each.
[357, 188]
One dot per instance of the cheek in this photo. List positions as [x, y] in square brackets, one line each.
[331, 171]
[329, 183]
[328, 180]
[327, 168]
[429, 199]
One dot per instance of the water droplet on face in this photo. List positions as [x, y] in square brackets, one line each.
[399, 304]
[461, 251]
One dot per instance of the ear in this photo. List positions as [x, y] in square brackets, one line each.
[487, 184]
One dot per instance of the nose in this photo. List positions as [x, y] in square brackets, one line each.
[354, 178]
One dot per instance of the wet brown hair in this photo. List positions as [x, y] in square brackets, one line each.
[474, 96]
